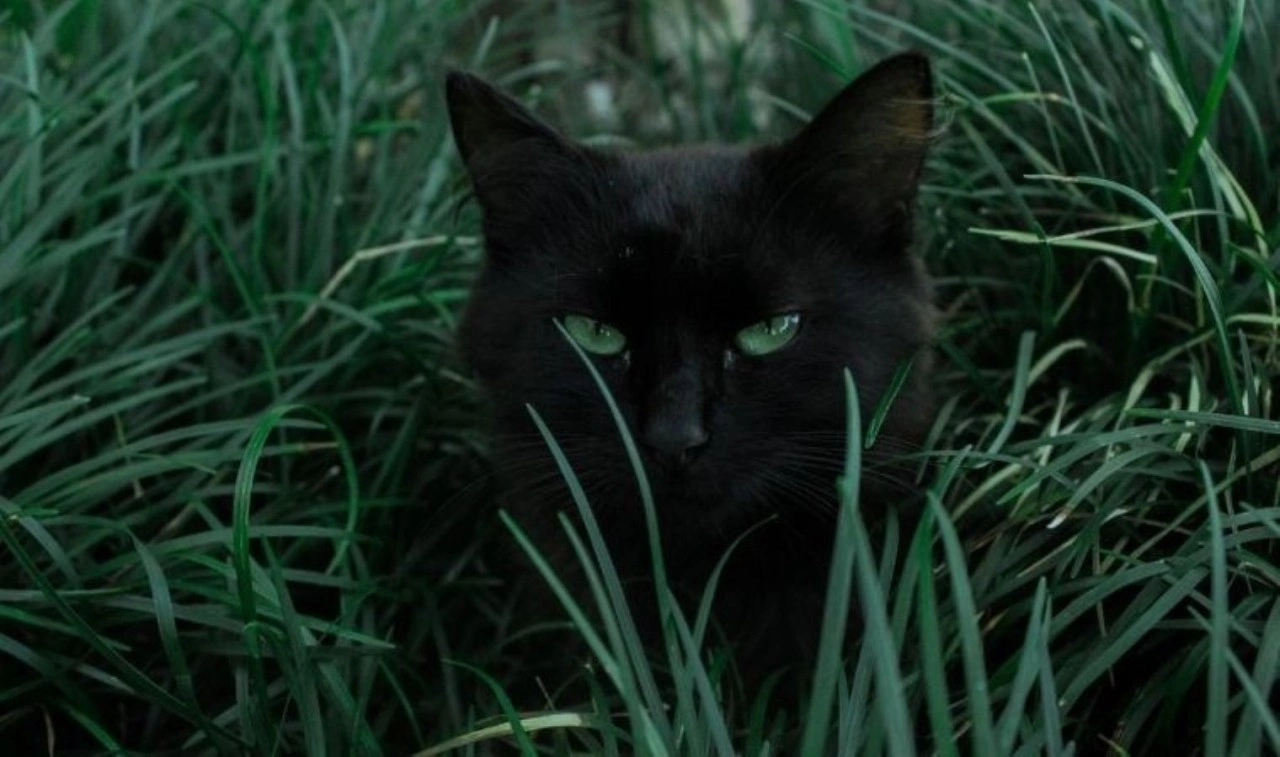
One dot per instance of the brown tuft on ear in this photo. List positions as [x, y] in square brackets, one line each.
[866, 148]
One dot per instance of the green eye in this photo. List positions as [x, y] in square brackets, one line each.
[769, 335]
[594, 336]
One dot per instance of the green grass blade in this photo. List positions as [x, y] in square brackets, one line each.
[975, 669]
[839, 588]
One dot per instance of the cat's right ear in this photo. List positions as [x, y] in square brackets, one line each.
[864, 151]
[497, 136]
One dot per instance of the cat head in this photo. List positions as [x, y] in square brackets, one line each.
[720, 291]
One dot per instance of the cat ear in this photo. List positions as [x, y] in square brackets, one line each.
[499, 139]
[864, 151]
[485, 120]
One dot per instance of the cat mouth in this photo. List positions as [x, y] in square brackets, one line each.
[698, 494]
[670, 481]
[673, 482]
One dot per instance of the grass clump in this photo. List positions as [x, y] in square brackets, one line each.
[239, 469]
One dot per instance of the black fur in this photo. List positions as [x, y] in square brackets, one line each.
[680, 249]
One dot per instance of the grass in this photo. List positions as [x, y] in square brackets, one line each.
[239, 466]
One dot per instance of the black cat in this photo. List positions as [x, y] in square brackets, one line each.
[721, 292]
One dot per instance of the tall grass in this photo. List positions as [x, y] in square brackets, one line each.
[240, 470]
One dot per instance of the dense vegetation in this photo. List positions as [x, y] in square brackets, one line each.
[240, 469]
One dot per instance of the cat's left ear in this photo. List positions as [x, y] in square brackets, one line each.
[865, 150]
[499, 139]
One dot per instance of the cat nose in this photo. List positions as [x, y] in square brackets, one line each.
[678, 439]
[675, 429]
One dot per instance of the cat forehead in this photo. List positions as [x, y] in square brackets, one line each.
[681, 186]
[688, 229]
[687, 209]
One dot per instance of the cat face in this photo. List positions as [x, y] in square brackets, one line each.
[720, 292]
